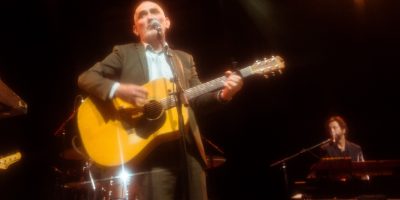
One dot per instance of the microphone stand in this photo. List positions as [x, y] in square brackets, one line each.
[283, 161]
[178, 92]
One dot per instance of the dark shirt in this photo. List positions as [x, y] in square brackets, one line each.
[351, 150]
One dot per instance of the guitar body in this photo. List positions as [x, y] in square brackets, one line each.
[128, 135]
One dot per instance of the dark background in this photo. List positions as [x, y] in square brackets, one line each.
[340, 56]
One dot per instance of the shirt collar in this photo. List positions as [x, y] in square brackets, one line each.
[148, 47]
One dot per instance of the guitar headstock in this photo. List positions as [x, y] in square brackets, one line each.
[6, 161]
[267, 67]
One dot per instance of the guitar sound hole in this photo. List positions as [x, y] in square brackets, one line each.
[153, 110]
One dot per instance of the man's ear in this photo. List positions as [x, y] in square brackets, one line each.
[134, 31]
[167, 23]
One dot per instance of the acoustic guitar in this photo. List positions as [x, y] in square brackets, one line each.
[116, 133]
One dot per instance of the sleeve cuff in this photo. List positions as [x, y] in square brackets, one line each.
[113, 90]
[219, 93]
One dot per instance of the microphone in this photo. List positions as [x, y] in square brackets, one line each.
[155, 24]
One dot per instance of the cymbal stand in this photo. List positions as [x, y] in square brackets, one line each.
[86, 167]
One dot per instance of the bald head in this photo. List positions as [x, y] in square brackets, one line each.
[144, 13]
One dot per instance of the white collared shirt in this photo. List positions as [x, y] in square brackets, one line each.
[158, 67]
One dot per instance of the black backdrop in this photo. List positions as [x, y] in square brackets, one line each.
[340, 58]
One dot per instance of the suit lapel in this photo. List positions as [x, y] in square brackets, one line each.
[143, 61]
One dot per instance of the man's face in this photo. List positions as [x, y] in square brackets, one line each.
[335, 130]
[144, 13]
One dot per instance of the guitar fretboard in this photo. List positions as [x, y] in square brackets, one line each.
[261, 67]
[198, 90]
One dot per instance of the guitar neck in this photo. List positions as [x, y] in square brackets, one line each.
[203, 88]
[264, 67]
[213, 84]
[209, 86]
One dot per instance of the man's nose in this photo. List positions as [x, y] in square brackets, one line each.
[150, 17]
